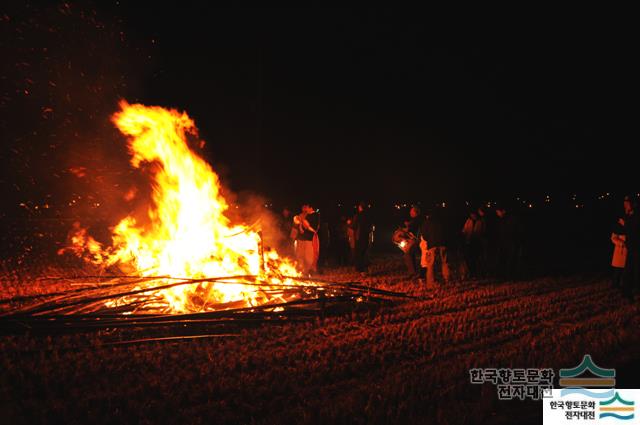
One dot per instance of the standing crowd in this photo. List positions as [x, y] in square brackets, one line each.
[309, 239]
[489, 243]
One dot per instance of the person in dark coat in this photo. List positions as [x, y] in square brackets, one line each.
[362, 225]
[324, 240]
[434, 242]
[340, 241]
[509, 238]
[410, 255]
[470, 244]
[483, 231]
[285, 225]
[631, 276]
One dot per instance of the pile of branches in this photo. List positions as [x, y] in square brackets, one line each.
[134, 303]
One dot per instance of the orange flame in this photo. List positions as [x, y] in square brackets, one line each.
[187, 234]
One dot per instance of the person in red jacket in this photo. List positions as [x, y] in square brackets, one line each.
[619, 258]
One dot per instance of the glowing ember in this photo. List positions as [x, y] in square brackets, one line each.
[185, 233]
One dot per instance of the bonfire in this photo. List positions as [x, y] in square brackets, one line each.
[182, 255]
[184, 233]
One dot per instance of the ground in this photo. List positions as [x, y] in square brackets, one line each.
[404, 363]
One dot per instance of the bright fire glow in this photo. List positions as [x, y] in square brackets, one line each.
[185, 232]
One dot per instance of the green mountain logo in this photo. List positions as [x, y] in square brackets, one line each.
[624, 410]
[570, 377]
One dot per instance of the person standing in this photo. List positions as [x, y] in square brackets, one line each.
[470, 244]
[340, 241]
[631, 276]
[481, 243]
[361, 230]
[410, 254]
[285, 228]
[510, 235]
[351, 239]
[619, 258]
[306, 224]
[433, 244]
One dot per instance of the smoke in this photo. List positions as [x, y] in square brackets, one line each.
[63, 71]
[257, 211]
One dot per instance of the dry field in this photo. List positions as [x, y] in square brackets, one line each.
[401, 363]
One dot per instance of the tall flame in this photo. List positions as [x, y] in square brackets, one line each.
[185, 233]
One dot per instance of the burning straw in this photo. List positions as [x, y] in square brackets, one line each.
[116, 304]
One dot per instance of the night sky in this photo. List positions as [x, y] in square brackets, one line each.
[320, 104]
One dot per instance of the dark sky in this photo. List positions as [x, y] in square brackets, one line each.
[322, 104]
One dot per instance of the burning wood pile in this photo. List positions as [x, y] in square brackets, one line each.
[179, 260]
[133, 302]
